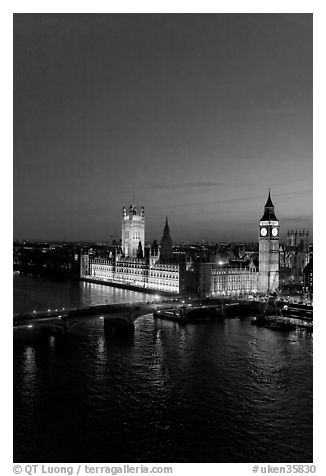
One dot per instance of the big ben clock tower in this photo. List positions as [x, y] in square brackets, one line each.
[268, 278]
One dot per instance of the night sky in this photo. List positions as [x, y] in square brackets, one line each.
[197, 115]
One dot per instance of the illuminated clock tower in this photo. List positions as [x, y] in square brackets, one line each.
[268, 279]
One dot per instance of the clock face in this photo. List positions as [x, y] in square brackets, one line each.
[274, 231]
[263, 231]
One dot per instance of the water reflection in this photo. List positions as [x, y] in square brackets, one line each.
[33, 293]
[215, 391]
[101, 349]
[52, 343]
[29, 374]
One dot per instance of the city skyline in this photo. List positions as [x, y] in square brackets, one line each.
[117, 237]
[197, 115]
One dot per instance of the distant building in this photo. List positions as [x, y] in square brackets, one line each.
[282, 252]
[296, 251]
[47, 259]
[308, 278]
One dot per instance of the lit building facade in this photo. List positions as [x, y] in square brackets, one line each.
[127, 268]
[217, 280]
[222, 274]
[234, 281]
[269, 250]
[226, 276]
[133, 231]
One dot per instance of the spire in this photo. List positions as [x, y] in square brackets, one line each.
[140, 251]
[269, 214]
[166, 228]
[269, 202]
[166, 244]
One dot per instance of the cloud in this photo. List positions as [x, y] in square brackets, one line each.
[294, 194]
[185, 185]
[298, 218]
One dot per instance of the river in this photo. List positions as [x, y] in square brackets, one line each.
[215, 391]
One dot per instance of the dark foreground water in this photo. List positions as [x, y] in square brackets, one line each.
[216, 391]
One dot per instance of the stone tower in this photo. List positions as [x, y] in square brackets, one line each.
[268, 278]
[166, 245]
[84, 264]
[133, 231]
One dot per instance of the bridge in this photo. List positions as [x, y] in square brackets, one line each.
[220, 309]
[63, 320]
[120, 318]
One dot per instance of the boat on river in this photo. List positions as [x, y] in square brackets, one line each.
[277, 323]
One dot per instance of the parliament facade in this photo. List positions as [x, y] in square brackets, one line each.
[128, 265]
[159, 268]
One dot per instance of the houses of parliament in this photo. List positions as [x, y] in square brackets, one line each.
[131, 264]
[158, 267]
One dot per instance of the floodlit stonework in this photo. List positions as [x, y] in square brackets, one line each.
[153, 272]
[160, 269]
[269, 250]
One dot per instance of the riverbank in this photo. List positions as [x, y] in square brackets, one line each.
[130, 287]
[38, 294]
